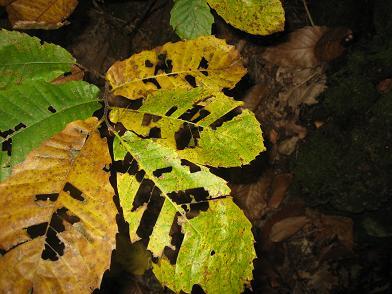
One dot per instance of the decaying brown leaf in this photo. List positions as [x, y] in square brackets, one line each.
[38, 14]
[309, 47]
[287, 227]
[58, 216]
[280, 186]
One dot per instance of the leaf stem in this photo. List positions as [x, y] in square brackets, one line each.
[308, 13]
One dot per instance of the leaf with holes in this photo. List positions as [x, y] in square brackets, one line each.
[174, 184]
[31, 108]
[38, 14]
[23, 58]
[191, 18]
[35, 110]
[259, 17]
[58, 216]
[191, 122]
[225, 240]
[205, 61]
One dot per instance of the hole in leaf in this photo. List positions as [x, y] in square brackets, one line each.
[148, 63]
[227, 117]
[202, 114]
[157, 173]
[143, 194]
[106, 168]
[120, 101]
[154, 133]
[176, 241]
[151, 214]
[52, 109]
[203, 63]
[74, 192]
[171, 111]
[35, 231]
[212, 253]
[191, 80]
[192, 167]
[140, 175]
[54, 248]
[66, 74]
[45, 197]
[187, 136]
[152, 81]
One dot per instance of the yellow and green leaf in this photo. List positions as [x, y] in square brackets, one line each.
[58, 216]
[205, 61]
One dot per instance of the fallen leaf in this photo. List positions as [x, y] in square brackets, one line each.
[280, 186]
[287, 227]
[309, 47]
[384, 86]
[252, 197]
[39, 14]
[58, 218]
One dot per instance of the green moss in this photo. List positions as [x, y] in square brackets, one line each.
[347, 162]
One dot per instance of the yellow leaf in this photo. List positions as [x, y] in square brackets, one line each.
[57, 215]
[38, 14]
[259, 17]
[205, 61]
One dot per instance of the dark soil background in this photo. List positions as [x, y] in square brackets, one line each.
[343, 168]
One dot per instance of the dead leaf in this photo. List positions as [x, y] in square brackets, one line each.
[287, 227]
[280, 186]
[339, 226]
[252, 197]
[287, 146]
[39, 14]
[58, 218]
[309, 47]
[76, 74]
[384, 86]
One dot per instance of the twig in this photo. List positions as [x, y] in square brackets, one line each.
[308, 12]
[106, 95]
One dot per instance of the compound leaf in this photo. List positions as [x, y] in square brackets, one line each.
[58, 216]
[24, 58]
[259, 17]
[38, 14]
[205, 61]
[226, 243]
[35, 110]
[193, 113]
[191, 18]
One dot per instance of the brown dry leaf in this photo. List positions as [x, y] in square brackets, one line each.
[309, 47]
[76, 74]
[280, 186]
[58, 216]
[384, 86]
[287, 227]
[339, 226]
[252, 197]
[39, 14]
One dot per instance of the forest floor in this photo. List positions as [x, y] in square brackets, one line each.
[319, 198]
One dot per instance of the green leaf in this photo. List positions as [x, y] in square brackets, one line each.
[5, 169]
[23, 58]
[219, 259]
[191, 18]
[151, 157]
[35, 110]
[235, 142]
[259, 17]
